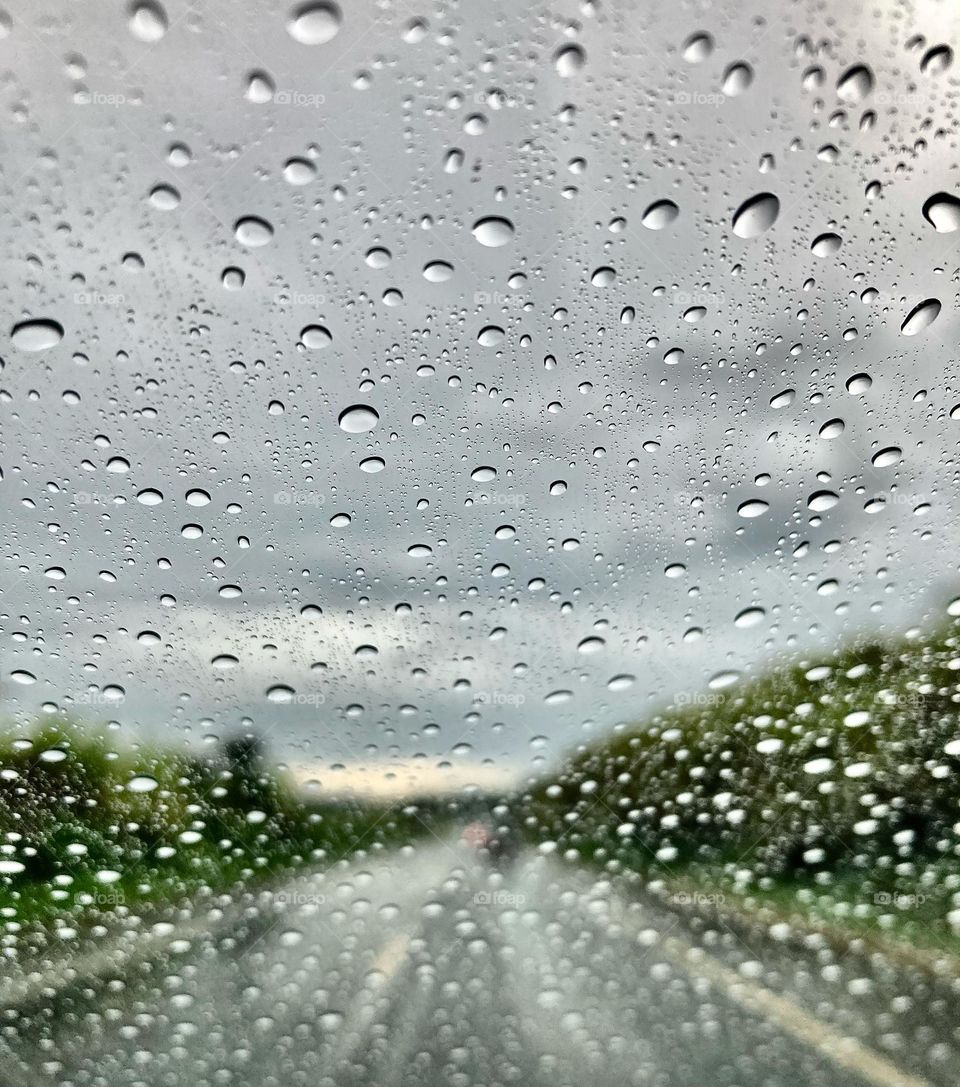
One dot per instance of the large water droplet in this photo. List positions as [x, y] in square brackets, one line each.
[253, 232]
[358, 419]
[942, 212]
[825, 245]
[148, 21]
[737, 79]
[569, 60]
[753, 507]
[316, 23]
[855, 84]
[315, 337]
[39, 335]
[260, 88]
[660, 214]
[756, 215]
[921, 317]
[142, 783]
[697, 48]
[887, 458]
[493, 231]
[937, 58]
[281, 694]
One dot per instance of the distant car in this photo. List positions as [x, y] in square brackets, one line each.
[497, 846]
[476, 834]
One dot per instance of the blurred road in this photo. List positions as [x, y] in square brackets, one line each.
[426, 968]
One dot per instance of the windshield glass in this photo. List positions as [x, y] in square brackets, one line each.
[479, 601]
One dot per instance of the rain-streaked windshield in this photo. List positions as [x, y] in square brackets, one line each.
[480, 584]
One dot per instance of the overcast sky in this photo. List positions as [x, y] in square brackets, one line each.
[443, 619]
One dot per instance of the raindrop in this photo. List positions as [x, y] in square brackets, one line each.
[556, 698]
[942, 212]
[754, 507]
[855, 84]
[142, 783]
[756, 215]
[833, 428]
[281, 694]
[253, 232]
[437, 271]
[591, 645]
[621, 682]
[358, 419]
[936, 59]
[921, 317]
[697, 48]
[569, 60]
[660, 215]
[490, 336]
[887, 458]
[315, 23]
[315, 337]
[299, 172]
[603, 277]
[750, 617]
[493, 231]
[164, 197]
[858, 384]
[148, 21]
[737, 79]
[38, 335]
[260, 88]
[820, 501]
[825, 245]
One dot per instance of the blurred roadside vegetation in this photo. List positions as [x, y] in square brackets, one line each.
[828, 789]
[91, 830]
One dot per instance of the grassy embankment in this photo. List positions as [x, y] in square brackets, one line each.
[89, 830]
[827, 791]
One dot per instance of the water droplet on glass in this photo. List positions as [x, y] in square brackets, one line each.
[281, 694]
[299, 172]
[358, 419]
[855, 84]
[921, 317]
[825, 245]
[737, 79]
[315, 337]
[253, 232]
[569, 60]
[887, 458]
[697, 48]
[142, 783]
[942, 212]
[756, 215]
[260, 88]
[148, 21]
[37, 335]
[316, 23]
[936, 59]
[493, 231]
[660, 215]
[754, 507]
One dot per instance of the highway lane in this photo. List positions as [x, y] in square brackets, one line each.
[426, 967]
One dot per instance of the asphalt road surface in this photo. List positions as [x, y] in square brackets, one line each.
[425, 967]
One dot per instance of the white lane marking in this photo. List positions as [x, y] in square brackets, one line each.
[846, 1052]
[363, 1008]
